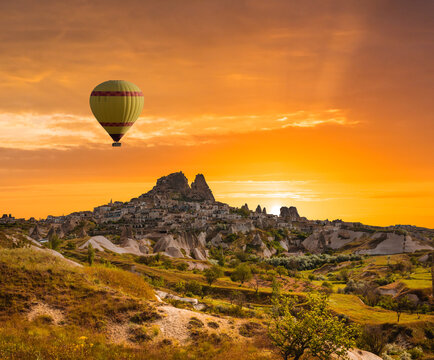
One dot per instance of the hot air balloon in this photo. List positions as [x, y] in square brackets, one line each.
[116, 104]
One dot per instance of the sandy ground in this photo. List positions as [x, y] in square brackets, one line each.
[43, 309]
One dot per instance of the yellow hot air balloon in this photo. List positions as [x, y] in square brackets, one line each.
[116, 104]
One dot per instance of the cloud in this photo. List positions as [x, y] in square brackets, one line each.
[36, 131]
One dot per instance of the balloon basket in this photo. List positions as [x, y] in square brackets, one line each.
[116, 144]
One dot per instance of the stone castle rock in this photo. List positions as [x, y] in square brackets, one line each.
[175, 186]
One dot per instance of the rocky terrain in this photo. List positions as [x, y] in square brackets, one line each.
[184, 221]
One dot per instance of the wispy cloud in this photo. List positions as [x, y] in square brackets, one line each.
[38, 131]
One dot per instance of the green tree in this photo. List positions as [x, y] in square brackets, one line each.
[308, 329]
[242, 273]
[212, 274]
[90, 254]
[54, 242]
[281, 270]
[275, 288]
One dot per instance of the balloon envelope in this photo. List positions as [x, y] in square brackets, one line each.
[116, 104]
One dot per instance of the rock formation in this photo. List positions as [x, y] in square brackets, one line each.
[36, 233]
[127, 232]
[290, 214]
[183, 245]
[264, 211]
[175, 186]
[82, 232]
[200, 189]
[55, 230]
[245, 207]
[379, 243]
[258, 209]
[68, 226]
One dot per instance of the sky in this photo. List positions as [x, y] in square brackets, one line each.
[319, 104]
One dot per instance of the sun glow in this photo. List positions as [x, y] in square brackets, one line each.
[275, 209]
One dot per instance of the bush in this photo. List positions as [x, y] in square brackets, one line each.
[416, 352]
[249, 329]
[308, 262]
[193, 287]
[182, 266]
[242, 273]
[212, 274]
[145, 316]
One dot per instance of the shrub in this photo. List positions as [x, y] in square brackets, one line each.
[193, 287]
[242, 273]
[213, 325]
[249, 329]
[212, 274]
[308, 262]
[147, 315]
[182, 266]
[195, 323]
[90, 254]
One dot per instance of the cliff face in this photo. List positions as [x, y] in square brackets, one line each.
[290, 213]
[200, 189]
[175, 186]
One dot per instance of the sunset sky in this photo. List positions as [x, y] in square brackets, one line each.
[324, 105]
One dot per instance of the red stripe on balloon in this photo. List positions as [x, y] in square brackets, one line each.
[116, 93]
[117, 124]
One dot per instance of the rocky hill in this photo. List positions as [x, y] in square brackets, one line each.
[184, 221]
[175, 187]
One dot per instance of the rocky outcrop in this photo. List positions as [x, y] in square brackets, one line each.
[217, 241]
[260, 245]
[36, 233]
[258, 209]
[331, 239]
[175, 186]
[183, 245]
[357, 354]
[55, 231]
[130, 246]
[242, 227]
[264, 211]
[136, 247]
[392, 243]
[289, 214]
[245, 207]
[68, 226]
[200, 189]
[361, 242]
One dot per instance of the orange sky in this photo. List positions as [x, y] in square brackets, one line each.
[325, 105]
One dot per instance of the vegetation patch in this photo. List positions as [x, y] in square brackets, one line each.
[250, 329]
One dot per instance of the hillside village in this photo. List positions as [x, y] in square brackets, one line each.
[185, 221]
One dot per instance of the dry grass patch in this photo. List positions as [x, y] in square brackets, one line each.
[127, 282]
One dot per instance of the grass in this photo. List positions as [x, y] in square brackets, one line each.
[356, 310]
[21, 340]
[124, 281]
[420, 279]
[89, 297]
